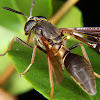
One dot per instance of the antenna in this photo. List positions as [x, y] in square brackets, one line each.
[10, 9]
[32, 7]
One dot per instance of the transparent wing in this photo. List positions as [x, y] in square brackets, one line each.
[88, 35]
[56, 63]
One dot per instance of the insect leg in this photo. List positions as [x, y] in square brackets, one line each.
[84, 54]
[32, 61]
[20, 41]
[83, 50]
[51, 78]
[28, 38]
[10, 47]
[97, 75]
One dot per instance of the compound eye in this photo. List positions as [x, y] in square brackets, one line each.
[28, 26]
[41, 17]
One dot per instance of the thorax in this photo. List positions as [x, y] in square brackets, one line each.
[48, 31]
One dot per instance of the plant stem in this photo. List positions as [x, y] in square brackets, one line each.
[6, 74]
[6, 96]
[66, 6]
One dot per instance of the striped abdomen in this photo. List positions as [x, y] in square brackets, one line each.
[79, 68]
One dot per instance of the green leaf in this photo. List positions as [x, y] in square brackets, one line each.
[38, 75]
[57, 4]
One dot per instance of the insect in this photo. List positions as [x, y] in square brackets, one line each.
[52, 42]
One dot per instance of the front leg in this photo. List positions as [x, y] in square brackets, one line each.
[11, 44]
[22, 42]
